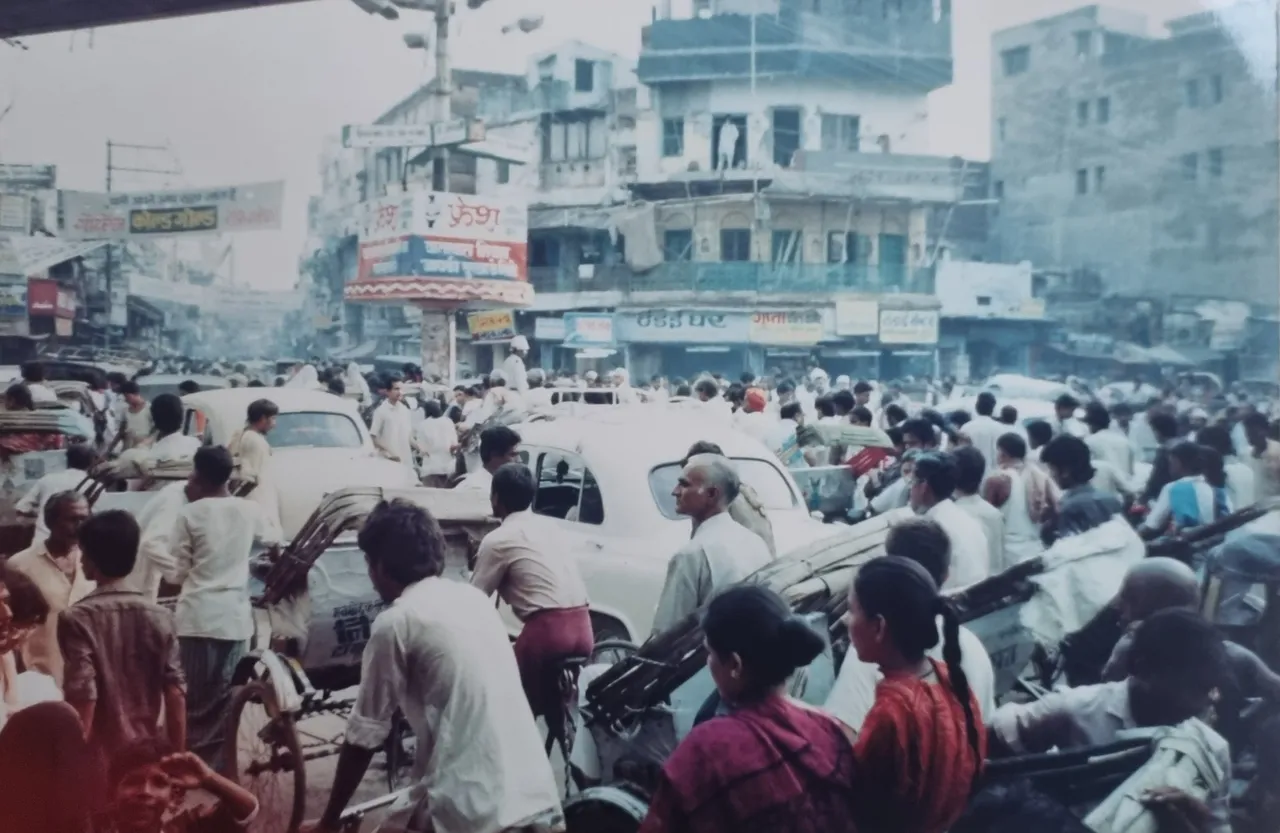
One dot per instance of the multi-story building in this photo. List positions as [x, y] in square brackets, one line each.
[1151, 161]
[783, 192]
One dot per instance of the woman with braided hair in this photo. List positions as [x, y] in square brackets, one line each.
[920, 751]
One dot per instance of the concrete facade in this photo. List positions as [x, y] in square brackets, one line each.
[1152, 160]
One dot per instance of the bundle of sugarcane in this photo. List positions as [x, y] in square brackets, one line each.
[1194, 544]
[807, 578]
[458, 511]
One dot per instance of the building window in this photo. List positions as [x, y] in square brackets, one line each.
[672, 137]
[1099, 177]
[786, 135]
[735, 244]
[1104, 110]
[997, 189]
[1191, 92]
[584, 76]
[786, 246]
[1082, 181]
[1215, 89]
[544, 251]
[1190, 164]
[1016, 61]
[504, 172]
[1215, 162]
[677, 244]
[848, 247]
[1084, 44]
[840, 132]
[1082, 113]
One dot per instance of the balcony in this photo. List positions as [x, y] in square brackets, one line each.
[753, 278]
[553, 96]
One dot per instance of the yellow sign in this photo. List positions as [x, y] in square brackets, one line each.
[166, 220]
[492, 325]
[790, 327]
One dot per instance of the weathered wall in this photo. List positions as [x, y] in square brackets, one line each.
[1150, 229]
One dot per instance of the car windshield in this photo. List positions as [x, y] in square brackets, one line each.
[764, 478]
[315, 430]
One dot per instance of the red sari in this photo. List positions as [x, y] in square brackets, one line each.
[773, 767]
[914, 766]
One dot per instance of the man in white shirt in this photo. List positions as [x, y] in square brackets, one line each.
[969, 473]
[513, 367]
[436, 438]
[1106, 444]
[1064, 421]
[707, 394]
[157, 519]
[79, 459]
[983, 430]
[854, 692]
[720, 553]
[933, 481]
[136, 425]
[211, 544]
[439, 655]
[33, 378]
[1240, 477]
[538, 395]
[392, 426]
[622, 386]
[499, 445]
[171, 444]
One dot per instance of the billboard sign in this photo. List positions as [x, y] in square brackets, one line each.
[13, 299]
[491, 326]
[28, 177]
[42, 297]
[907, 326]
[441, 235]
[786, 327]
[142, 214]
[588, 329]
[452, 132]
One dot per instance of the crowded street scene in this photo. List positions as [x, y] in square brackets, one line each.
[639, 416]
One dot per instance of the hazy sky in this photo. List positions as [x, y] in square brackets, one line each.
[248, 96]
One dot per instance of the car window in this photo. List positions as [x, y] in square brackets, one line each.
[314, 429]
[763, 477]
[567, 489]
[197, 424]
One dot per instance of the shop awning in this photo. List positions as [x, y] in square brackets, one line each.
[32, 255]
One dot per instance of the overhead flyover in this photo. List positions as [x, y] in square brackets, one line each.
[19, 18]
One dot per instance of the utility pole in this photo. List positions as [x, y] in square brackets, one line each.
[112, 168]
[444, 92]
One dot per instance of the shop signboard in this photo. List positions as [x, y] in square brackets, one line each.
[42, 297]
[65, 306]
[13, 299]
[548, 329]
[905, 326]
[683, 326]
[15, 213]
[448, 236]
[588, 329]
[786, 327]
[28, 177]
[148, 214]
[491, 326]
[857, 317]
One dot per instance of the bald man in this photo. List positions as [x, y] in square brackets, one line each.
[720, 553]
[1156, 584]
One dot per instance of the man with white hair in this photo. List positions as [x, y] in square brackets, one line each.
[513, 368]
[622, 385]
[720, 553]
[538, 395]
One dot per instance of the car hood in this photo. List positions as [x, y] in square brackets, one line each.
[304, 476]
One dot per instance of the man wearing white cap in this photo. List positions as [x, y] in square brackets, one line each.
[513, 367]
[622, 384]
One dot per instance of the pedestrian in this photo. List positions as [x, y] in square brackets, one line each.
[252, 453]
[983, 430]
[499, 445]
[167, 413]
[970, 470]
[526, 562]
[54, 565]
[119, 649]
[1264, 456]
[933, 486]
[1025, 495]
[436, 439]
[80, 458]
[439, 654]
[211, 543]
[392, 426]
[721, 551]
[1082, 507]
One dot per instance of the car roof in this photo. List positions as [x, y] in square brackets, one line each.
[227, 408]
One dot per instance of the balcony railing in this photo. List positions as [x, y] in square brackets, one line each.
[759, 278]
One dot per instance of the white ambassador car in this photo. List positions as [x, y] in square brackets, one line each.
[605, 475]
[320, 444]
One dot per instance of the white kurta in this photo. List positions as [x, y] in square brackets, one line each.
[393, 428]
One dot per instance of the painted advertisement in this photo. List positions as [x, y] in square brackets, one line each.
[141, 214]
[491, 326]
[789, 327]
[439, 235]
[42, 297]
[905, 326]
[588, 329]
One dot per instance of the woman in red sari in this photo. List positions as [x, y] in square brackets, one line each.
[920, 750]
[771, 765]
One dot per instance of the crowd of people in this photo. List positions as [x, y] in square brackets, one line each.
[129, 698]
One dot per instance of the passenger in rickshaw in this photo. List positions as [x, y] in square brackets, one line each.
[769, 764]
[528, 565]
[932, 485]
[720, 553]
[136, 425]
[1196, 495]
[170, 443]
[1082, 506]
[923, 541]
[1026, 496]
[1240, 477]
[440, 655]
[33, 379]
[970, 470]
[80, 458]
[920, 750]
[746, 508]
[1177, 666]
